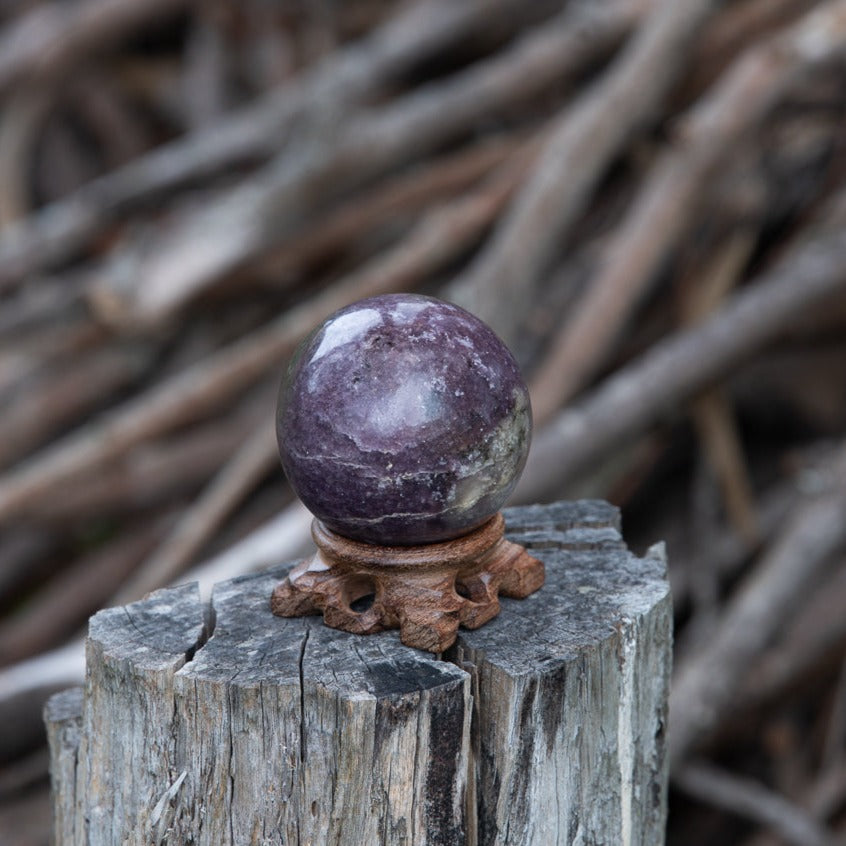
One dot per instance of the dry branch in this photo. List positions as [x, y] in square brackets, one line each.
[149, 475]
[677, 368]
[717, 429]
[24, 774]
[66, 394]
[199, 522]
[667, 203]
[25, 553]
[50, 670]
[49, 38]
[438, 239]
[712, 412]
[282, 538]
[26, 359]
[724, 555]
[44, 301]
[735, 29]
[22, 117]
[816, 636]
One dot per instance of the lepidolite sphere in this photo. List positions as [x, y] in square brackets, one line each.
[403, 420]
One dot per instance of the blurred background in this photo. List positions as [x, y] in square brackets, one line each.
[646, 200]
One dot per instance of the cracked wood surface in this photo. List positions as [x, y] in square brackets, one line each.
[543, 727]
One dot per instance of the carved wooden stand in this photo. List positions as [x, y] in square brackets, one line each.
[426, 591]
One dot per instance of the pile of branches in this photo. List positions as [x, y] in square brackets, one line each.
[646, 200]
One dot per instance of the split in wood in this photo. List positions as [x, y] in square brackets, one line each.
[425, 591]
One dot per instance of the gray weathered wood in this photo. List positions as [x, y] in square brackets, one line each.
[543, 727]
[63, 716]
[572, 686]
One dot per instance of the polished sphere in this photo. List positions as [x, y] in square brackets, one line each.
[403, 420]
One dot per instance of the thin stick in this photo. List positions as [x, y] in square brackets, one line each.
[247, 467]
[728, 551]
[717, 429]
[22, 118]
[149, 475]
[816, 636]
[60, 667]
[46, 40]
[718, 558]
[835, 736]
[753, 801]
[739, 25]
[24, 773]
[43, 300]
[639, 394]
[435, 241]
[712, 412]
[68, 393]
[666, 205]
[24, 359]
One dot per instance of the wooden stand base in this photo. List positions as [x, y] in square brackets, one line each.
[425, 591]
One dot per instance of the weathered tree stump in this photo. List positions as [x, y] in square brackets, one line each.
[544, 726]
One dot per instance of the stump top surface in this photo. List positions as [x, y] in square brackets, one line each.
[159, 632]
[593, 585]
[250, 642]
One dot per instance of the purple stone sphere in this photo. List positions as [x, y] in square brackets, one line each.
[403, 420]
